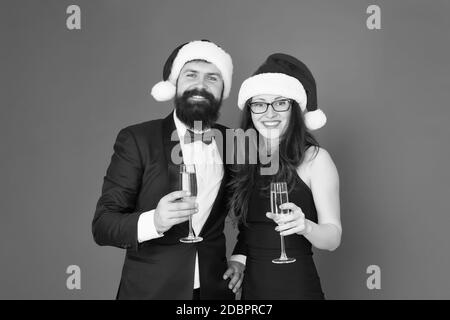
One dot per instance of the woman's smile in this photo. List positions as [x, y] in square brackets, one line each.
[272, 124]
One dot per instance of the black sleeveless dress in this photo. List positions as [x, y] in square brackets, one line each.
[261, 243]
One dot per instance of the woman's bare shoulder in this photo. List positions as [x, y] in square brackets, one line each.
[316, 154]
[321, 161]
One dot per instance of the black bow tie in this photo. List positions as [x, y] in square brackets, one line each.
[205, 137]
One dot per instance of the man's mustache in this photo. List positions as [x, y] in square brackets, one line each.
[198, 92]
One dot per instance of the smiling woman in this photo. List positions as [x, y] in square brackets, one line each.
[272, 101]
[270, 116]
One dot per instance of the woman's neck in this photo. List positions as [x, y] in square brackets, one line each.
[271, 146]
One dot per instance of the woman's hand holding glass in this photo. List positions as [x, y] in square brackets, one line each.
[292, 223]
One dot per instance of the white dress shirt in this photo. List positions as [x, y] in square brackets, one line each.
[209, 169]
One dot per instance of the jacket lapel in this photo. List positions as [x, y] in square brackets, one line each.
[172, 152]
[174, 157]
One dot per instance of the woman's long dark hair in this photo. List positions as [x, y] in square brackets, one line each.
[293, 145]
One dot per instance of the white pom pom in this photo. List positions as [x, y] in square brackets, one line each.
[315, 119]
[163, 91]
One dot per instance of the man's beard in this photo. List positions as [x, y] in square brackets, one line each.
[206, 111]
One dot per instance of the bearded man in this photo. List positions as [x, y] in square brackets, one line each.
[140, 208]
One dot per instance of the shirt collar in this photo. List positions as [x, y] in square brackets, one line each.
[181, 127]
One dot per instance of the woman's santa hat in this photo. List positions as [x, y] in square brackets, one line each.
[284, 75]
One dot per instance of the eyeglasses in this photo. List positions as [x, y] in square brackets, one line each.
[277, 105]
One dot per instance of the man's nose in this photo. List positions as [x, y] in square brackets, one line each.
[201, 83]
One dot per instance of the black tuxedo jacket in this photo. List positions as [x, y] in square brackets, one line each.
[141, 172]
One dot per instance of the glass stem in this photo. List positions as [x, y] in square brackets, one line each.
[283, 251]
[191, 232]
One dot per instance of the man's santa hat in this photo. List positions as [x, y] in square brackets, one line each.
[195, 50]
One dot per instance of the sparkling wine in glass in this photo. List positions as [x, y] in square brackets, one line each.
[278, 196]
[188, 182]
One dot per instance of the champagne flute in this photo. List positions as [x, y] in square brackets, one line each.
[188, 182]
[278, 196]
